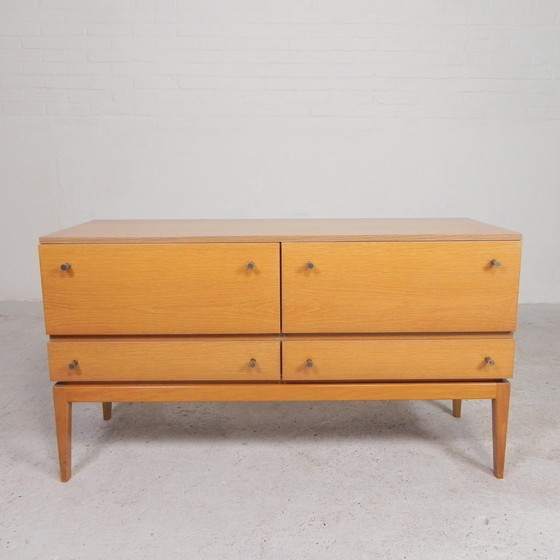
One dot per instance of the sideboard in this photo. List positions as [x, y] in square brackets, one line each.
[280, 310]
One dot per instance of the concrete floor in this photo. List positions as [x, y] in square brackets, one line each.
[286, 481]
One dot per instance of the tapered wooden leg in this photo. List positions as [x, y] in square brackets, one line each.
[457, 408]
[107, 410]
[500, 410]
[63, 417]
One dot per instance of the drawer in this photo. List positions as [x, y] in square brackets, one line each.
[397, 359]
[161, 289]
[374, 287]
[165, 360]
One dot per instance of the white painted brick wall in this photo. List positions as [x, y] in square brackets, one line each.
[440, 58]
[251, 108]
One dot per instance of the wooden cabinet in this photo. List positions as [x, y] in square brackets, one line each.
[257, 310]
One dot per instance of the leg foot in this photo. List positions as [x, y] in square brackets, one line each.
[107, 410]
[63, 417]
[500, 410]
[457, 408]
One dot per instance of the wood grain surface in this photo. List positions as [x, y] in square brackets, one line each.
[355, 229]
[399, 287]
[161, 289]
[354, 360]
[155, 360]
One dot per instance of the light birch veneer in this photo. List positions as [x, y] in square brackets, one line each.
[280, 310]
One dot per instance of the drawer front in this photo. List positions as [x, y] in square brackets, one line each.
[361, 360]
[161, 289]
[144, 360]
[400, 287]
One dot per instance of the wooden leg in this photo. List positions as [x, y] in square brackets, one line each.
[63, 417]
[457, 408]
[500, 410]
[66, 393]
[107, 410]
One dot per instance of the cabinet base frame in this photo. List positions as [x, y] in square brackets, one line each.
[64, 394]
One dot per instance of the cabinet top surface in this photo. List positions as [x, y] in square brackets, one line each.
[297, 230]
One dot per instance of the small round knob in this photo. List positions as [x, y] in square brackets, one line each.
[489, 361]
[309, 363]
[73, 364]
[309, 265]
[65, 266]
[251, 265]
[252, 363]
[496, 262]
